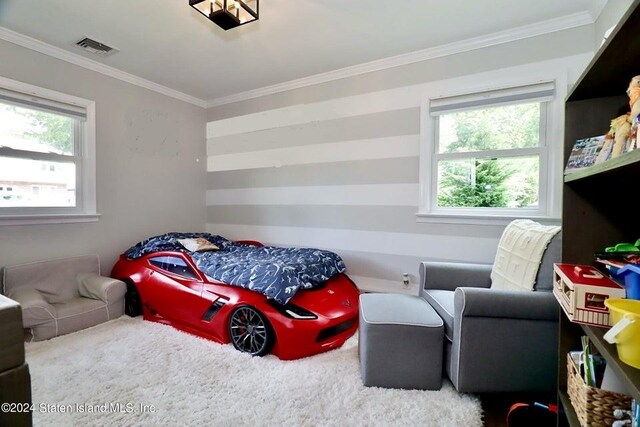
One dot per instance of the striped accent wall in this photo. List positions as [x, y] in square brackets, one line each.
[341, 175]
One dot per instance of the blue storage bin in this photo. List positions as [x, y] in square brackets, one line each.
[631, 274]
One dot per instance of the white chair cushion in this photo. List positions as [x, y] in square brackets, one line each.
[519, 254]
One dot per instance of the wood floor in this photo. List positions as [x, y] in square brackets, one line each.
[496, 405]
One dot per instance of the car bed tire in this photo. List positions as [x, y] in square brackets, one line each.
[132, 301]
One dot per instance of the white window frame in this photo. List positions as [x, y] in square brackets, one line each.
[550, 149]
[84, 158]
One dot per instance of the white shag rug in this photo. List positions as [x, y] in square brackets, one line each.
[102, 376]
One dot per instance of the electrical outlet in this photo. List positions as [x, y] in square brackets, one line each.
[405, 279]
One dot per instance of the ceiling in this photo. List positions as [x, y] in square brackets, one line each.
[170, 44]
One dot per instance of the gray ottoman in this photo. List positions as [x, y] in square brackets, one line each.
[400, 342]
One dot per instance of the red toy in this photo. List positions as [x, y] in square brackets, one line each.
[581, 291]
[166, 287]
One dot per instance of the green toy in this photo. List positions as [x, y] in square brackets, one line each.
[624, 247]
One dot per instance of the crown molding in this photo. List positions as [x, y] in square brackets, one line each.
[526, 31]
[73, 58]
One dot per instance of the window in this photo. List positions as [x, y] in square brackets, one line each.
[47, 160]
[489, 153]
[174, 265]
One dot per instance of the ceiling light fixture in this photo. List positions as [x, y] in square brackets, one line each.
[227, 13]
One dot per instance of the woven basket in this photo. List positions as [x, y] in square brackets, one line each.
[593, 405]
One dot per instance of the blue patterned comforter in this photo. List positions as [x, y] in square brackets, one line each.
[276, 272]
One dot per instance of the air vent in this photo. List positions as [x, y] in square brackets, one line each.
[95, 47]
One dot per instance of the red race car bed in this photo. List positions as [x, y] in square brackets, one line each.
[291, 302]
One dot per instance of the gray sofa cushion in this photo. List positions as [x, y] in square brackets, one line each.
[442, 303]
[11, 335]
[396, 309]
[15, 387]
[80, 313]
[35, 310]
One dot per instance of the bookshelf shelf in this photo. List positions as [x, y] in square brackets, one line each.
[619, 164]
[629, 375]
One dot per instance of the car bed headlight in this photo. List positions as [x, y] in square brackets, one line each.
[293, 311]
[298, 312]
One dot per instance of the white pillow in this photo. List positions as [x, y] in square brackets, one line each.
[519, 255]
[199, 244]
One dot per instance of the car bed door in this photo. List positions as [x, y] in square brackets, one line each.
[176, 291]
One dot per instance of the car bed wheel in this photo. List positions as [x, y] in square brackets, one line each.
[132, 301]
[250, 331]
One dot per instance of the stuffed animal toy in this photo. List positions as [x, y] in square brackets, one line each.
[634, 105]
[605, 152]
[634, 98]
[621, 126]
[632, 142]
[620, 129]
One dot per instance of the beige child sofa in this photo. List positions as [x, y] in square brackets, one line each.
[63, 295]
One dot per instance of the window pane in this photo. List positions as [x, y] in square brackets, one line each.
[497, 183]
[174, 265]
[504, 127]
[34, 130]
[25, 183]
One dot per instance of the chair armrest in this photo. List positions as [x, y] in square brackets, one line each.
[28, 298]
[35, 309]
[474, 302]
[450, 275]
[101, 288]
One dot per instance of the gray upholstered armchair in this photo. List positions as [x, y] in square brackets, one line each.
[495, 340]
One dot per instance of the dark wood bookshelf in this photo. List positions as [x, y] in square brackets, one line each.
[595, 213]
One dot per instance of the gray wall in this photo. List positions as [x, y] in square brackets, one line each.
[150, 164]
[360, 207]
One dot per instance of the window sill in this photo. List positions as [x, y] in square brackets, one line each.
[47, 219]
[483, 219]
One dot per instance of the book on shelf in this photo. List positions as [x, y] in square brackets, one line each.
[586, 152]
[590, 364]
